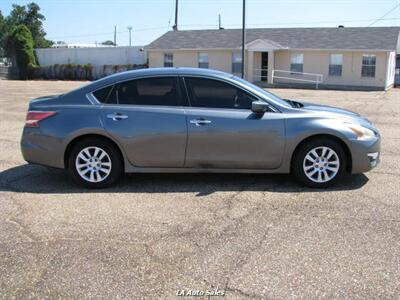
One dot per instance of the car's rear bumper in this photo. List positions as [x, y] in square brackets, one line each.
[38, 148]
[365, 155]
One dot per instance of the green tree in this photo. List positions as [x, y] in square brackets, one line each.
[31, 17]
[2, 24]
[20, 47]
[2, 32]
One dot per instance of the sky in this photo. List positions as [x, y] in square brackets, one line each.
[90, 21]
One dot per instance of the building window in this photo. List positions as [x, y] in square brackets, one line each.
[368, 65]
[237, 63]
[335, 64]
[296, 63]
[168, 60]
[203, 60]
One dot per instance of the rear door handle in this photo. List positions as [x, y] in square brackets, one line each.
[117, 116]
[200, 122]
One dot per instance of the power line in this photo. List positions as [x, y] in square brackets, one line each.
[87, 35]
[249, 24]
[381, 18]
[105, 33]
[290, 23]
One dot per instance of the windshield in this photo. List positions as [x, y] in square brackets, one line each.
[263, 92]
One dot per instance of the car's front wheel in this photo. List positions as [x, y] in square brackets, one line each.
[95, 163]
[319, 163]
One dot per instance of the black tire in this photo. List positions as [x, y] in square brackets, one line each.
[113, 153]
[298, 160]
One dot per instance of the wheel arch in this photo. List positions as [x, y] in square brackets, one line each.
[349, 160]
[79, 138]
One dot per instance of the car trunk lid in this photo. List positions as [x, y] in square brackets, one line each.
[43, 101]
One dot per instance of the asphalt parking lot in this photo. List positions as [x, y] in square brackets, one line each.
[251, 236]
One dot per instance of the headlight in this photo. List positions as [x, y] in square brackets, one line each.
[362, 133]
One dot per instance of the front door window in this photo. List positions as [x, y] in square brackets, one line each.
[217, 94]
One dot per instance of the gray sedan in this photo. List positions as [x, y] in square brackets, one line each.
[193, 120]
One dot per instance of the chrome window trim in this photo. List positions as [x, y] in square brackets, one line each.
[91, 97]
[90, 94]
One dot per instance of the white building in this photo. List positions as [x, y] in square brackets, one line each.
[351, 58]
[77, 45]
[96, 56]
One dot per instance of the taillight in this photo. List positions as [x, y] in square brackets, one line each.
[34, 117]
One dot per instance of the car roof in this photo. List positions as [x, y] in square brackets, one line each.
[167, 71]
[77, 95]
[127, 75]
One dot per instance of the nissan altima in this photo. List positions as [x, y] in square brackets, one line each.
[193, 120]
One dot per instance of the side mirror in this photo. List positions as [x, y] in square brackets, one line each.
[259, 107]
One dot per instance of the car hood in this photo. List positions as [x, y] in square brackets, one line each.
[328, 109]
[335, 112]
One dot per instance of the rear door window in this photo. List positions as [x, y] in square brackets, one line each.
[103, 94]
[147, 91]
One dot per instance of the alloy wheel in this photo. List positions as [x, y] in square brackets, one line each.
[321, 164]
[93, 164]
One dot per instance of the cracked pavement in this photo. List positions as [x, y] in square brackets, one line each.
[252, 236]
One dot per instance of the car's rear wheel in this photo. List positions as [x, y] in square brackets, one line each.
[95, 163]
[319, 163]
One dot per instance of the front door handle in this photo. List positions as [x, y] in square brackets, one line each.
[200, 122]
[117, 116]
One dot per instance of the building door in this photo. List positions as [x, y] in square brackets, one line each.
[264, 66]
[397, 72]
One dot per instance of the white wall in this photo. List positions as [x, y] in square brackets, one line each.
[96, 56]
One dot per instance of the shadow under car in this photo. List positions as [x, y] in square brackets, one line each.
[37, 179]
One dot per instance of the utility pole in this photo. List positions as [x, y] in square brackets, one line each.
[175, 27]
[130, 35]
[115, 35]
[243, 34]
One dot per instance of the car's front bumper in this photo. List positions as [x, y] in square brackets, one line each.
[365, 155]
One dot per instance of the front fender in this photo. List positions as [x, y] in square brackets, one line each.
[299, 130]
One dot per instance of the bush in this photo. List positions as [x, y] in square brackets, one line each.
[73, 71]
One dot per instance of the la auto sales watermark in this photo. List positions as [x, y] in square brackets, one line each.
[200, 293]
